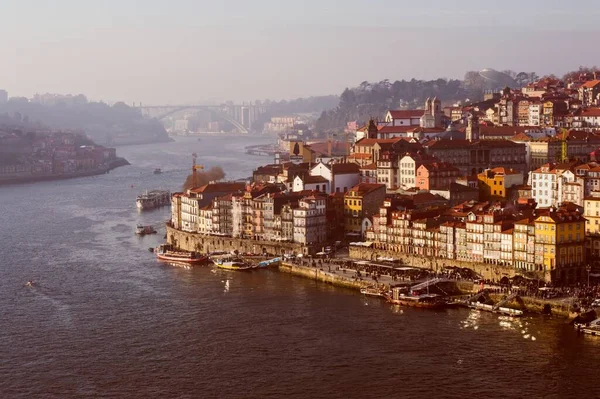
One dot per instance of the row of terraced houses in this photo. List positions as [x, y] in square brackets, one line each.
[474, 183]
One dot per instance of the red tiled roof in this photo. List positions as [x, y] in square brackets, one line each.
[365, 188]
[314, 179]
[359, 155]
[322, 148]
[220, 187]
[371, 142]
[447, 143]
[521, 137]
[439, 166]
[502, 130]
[590, 112]
[426, 197]
[591, 83]
[344, 168]
[406, 113]
[505, 171]
[371, 166]
[395, 129]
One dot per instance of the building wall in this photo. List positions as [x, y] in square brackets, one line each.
[189, 241]
[343, 182]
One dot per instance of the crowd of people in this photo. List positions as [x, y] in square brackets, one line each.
[582, 293]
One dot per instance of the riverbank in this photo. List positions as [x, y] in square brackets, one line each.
[323, 276]
[8, 180]
[345, 279]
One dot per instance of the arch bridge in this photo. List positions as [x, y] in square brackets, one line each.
[240, 116]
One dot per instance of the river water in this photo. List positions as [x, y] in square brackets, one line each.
[107, 320]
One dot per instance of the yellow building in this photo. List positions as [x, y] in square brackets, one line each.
[591, 212]
[494, 183]
[547, 118]
[560, 244]
[360, 202]
[301, 152]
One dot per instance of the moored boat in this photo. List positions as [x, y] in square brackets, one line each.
[153, 199]
[269, 263]
[232, 263]
[157, 171]
[372, 291]
[591, 328]
[143, 230]
[168, 253]
[427, 301]
[495, 309]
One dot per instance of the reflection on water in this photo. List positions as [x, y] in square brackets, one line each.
[472, 319]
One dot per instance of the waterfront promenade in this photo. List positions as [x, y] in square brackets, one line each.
[354, 275]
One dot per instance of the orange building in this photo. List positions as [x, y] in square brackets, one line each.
[436, 176]
[494, 183]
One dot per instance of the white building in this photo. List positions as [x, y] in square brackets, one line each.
[551, 185]
[407, 117]
[587, 118]
[341, 176]
[309, 220]
[407, 169]
[205, 220]
[189, 213]
[535, 111]
[315, 183]
[237, 220]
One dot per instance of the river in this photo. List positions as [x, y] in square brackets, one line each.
[107, 320]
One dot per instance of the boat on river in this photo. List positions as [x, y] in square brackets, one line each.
[269, 263]
[142, 230]
[591, 328]
[232, 263]
[427, 301]
[495, 309]
[372, 291]
[157, 171]
[168, 253]
[153, 199]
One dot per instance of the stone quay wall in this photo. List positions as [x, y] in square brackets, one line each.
[188, 241]
[317, 274]
[487, 271]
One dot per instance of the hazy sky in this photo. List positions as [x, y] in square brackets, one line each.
[182, 51]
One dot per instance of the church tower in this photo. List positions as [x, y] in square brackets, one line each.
[372, 130]
[436, 111]
[472, 131]
[428, 106]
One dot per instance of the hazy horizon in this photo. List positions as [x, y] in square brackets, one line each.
[198, 51]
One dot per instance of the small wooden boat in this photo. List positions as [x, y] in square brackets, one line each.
[168, 253]
[230, 263]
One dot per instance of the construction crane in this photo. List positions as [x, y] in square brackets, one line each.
[194, 169]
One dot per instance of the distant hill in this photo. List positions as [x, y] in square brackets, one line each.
[105, 124]
[374, 99]
[309, 105]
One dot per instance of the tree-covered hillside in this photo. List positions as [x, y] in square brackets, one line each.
[102, 122]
